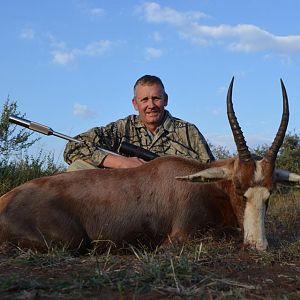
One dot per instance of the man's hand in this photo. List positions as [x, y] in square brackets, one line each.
[120, 162]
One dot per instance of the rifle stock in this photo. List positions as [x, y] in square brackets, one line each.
[133, 150]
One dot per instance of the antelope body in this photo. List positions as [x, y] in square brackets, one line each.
[165, 200]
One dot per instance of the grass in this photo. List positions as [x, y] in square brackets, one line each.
[16, 172]
[209, 267]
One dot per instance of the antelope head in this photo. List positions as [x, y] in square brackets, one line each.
[252, 179]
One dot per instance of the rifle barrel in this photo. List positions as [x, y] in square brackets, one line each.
[47, 130]
[125, 148]
[39, 128]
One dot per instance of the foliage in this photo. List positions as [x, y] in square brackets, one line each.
[288, 157]
[220, 152]
[12, 140]
[289, 154]
[261, 150]
[16, 172]
[16, 166]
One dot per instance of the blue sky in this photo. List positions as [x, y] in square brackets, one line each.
[71, 64]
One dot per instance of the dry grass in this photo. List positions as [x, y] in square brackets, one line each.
[213, 266]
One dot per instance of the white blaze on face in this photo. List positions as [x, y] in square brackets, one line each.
[254, 217]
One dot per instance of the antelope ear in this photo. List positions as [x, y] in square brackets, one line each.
[284, 176]
[207, 175]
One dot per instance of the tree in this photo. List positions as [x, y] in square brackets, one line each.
[219, 152]
[12, 139]
[288, 157]
[261, 150]
[289, 153]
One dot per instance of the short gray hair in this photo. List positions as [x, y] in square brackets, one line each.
[148, 80]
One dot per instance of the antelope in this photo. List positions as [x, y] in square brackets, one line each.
[163, 201]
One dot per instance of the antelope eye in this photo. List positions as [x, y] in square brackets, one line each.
[238, 186]
[239, 191]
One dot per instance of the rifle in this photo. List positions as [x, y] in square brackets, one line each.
[125, 147]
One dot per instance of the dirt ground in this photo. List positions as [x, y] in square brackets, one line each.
[226, 272]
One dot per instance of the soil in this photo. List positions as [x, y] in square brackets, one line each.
[240, 276]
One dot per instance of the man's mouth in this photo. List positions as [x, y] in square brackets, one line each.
[152, 112]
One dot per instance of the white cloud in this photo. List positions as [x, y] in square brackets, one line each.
[239, 38]
[157, 36]
[153, 12]
[96, 11]
[90, 11]
[222, 90]
[216, 111]
[63, 56]
[97, 48]
[254, 140]
[284, 59]
[153, 53]
[222, 140]
[55, 43]
[27, 34]
[82, 110]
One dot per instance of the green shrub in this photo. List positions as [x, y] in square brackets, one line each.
[16, 172]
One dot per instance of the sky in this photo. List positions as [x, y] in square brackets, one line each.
[72, 64]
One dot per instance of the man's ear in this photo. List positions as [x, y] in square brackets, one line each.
[166, 99]
[134, 104]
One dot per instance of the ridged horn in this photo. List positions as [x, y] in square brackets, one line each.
[273, 150]
[240, 142]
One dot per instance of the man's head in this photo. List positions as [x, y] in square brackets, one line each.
[150, 100]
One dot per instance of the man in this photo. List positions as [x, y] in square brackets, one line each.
[153, 129]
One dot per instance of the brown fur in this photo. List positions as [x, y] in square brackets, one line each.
[121, 205]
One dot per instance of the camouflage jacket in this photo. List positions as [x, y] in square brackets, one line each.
[173, 137]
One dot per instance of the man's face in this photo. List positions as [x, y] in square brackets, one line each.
[150, 102]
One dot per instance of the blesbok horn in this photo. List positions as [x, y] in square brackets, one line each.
[273, 150]
[242, 148]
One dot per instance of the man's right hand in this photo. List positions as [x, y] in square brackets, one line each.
[121, 162]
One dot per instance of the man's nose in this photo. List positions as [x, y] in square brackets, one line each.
[151, 102]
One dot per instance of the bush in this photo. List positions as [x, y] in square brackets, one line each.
[12, 139]
[219, 152]
[16, 172]
[16, 166]
[288, 157]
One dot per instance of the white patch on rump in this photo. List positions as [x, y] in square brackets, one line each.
[254, 217]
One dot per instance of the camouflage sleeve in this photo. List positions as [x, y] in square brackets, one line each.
[95, 140]
[200, 145]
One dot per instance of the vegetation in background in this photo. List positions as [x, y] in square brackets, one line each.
[220, 152]
[289, 154]
[288, 157]
[16, 165]
[16, 172]
[13, 140]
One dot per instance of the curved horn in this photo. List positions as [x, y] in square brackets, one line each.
[273, 150]
[211, 174]
[242, 148]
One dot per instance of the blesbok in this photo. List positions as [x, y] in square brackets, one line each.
[165, 200]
